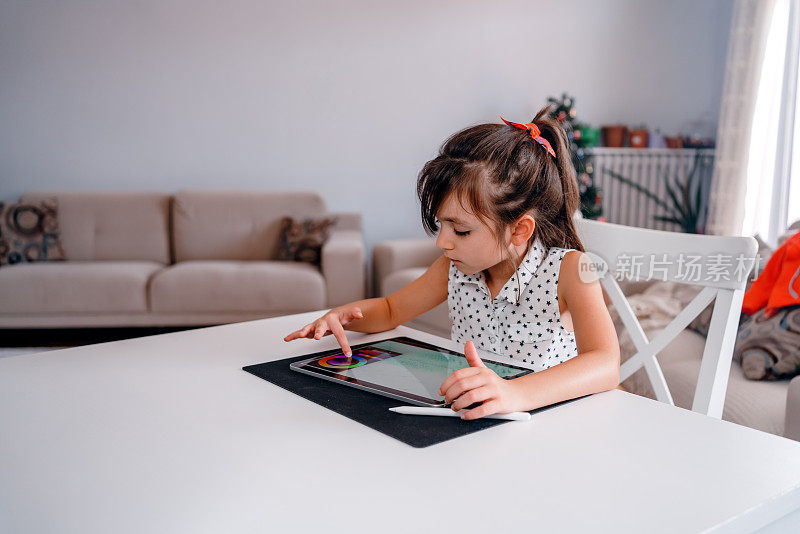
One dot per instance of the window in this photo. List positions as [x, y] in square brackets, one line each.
[773, 173]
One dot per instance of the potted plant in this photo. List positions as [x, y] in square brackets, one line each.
[657, 140]
[639, 136]
[674, 142]
[589, 136]
[685, 206]
[614, 135]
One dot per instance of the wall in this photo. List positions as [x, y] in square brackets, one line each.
[349, 98]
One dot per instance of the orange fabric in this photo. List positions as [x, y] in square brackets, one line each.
[779, 284]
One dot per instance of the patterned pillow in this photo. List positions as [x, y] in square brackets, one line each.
[302, 240]
[767, 346]
[29, 232]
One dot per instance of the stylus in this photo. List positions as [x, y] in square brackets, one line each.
[447, 412]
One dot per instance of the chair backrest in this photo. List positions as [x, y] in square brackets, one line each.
[720, 264]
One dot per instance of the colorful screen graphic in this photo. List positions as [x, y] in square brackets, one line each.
[340, 362]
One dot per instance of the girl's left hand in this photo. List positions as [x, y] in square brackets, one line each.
[478, 383]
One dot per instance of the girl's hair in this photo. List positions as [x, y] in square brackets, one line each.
[503, 173]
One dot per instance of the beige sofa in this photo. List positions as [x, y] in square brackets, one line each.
[192, 258]
[764, 405]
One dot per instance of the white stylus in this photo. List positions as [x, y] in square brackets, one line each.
[448, 412]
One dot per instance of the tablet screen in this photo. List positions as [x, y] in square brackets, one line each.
[411, 368]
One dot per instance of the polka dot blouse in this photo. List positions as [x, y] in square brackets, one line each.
[527, 328]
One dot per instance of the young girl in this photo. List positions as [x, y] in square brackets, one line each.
[505, 195]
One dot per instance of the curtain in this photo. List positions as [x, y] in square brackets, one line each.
[747, 45]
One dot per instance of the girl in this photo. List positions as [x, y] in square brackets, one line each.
[505, 195]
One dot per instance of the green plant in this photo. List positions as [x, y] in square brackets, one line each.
[685, 207]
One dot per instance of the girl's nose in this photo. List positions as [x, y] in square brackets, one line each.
[442, 243]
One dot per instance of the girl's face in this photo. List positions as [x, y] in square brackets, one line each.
[465, 240]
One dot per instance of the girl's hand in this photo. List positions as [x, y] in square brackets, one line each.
[332, 322]
[478, 383]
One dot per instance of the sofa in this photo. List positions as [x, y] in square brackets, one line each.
[196, 257]
[770, 406]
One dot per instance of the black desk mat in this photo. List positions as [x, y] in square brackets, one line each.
[371, 409]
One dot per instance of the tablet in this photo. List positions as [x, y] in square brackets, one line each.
[401, 368]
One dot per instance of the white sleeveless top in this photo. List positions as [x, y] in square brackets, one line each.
[527, 328]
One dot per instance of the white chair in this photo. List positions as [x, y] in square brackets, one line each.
[722, 269]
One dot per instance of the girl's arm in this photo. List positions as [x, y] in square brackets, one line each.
[381, 314]
[421, 295]
[594, 369]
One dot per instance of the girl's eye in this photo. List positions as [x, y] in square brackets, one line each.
[461, 233]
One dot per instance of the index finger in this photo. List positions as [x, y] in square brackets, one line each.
[341, 337]
[455, 375]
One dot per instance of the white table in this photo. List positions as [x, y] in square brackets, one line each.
[168, 434]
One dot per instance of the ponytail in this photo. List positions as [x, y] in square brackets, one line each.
[564, 224]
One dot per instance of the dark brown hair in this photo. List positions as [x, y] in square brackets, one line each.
[503, 173]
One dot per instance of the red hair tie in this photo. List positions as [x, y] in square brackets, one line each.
[535, 133]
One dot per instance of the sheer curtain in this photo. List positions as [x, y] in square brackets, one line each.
[752, 185]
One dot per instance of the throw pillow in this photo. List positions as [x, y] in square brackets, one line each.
[767, 346]
[29, 232]
[302, 240]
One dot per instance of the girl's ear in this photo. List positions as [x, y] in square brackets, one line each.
[523, 229]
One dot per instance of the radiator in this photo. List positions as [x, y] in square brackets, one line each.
[646, 166]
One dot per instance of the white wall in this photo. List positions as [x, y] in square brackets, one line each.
[349, 98]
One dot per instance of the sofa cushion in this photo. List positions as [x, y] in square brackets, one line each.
[241, 286]
[112, 226]
[76, 286]
[235, 225]
[758, 404]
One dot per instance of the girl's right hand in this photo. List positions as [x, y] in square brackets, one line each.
[332, 322]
